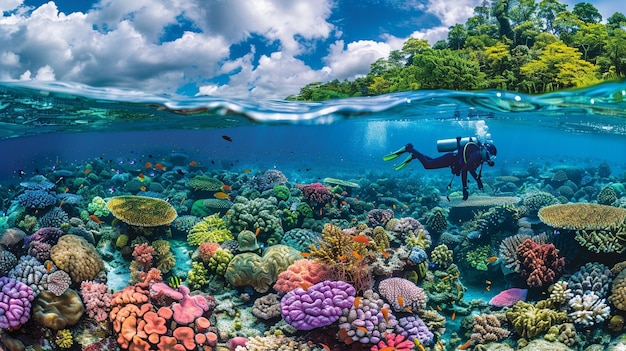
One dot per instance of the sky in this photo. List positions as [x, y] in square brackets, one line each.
[258, 49]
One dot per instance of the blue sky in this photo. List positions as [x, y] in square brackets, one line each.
[261, 49]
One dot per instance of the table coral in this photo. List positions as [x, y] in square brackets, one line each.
[540, 265]
[317, 306]
[141, 211]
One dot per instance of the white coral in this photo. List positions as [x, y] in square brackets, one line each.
[588, 309]
[560, 293]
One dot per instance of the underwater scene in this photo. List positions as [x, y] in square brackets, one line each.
[421, 220]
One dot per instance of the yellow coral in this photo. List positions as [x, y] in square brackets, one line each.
[337, 247]
[212, 229]
[121, 241]
[204, 183]
[529, 320]
[64, 339]
[582, 216]
[77, 257]
[141, 211]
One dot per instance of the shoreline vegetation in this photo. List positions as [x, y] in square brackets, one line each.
[526, 46]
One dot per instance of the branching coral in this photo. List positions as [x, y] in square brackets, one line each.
[337, 247]
[529, 321]
[488, 328]
[441, 256]
[211, 229]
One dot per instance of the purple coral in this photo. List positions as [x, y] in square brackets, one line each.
[48, 235]
[367, 314]
[15, 302]
[268, 180]
[378, 217]
[317, 306]
[316, 194]
[402, 294]
[412, 327]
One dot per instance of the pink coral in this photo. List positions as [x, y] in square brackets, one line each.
[316, 193]
[509, 297]
[307, 272]
[207, 250]
[58, 282]
[540, 265]
[97, 299]
[397, 341]
[190, 307]
[143, 254]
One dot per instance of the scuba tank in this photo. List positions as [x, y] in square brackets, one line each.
[449, 145]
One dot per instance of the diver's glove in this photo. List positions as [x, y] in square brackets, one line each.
[465, 193]
[392, 156]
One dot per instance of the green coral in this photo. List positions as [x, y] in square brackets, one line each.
[197, 277]
[420, 239]
[250, 269]
[212, 229]
[380, 238]
[477, 257]
[305, 210]
[98, 207]
[64, 339]
[529, 320]
[254, 214]
[220, 260]
[281, 192]
[207, 207]
[247, 241]
[441, 256]
[290, 218]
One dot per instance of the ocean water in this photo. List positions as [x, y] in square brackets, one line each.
[49, 127]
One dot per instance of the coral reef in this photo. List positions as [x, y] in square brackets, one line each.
[488, 328]
[15, 302]
[58, 312]
[141, 211]
[402, 294]
[367, 320]
[529, 321]
[211, 229]
[540, 265]
[77, 257]
[300, 273]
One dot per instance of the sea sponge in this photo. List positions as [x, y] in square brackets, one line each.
[77, 257]
[141, 211]
[58, 312]
[211, 229]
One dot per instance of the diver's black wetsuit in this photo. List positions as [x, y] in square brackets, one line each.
[466, 159]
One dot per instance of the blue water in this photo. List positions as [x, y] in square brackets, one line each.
[51, 126]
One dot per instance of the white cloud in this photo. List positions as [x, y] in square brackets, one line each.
[452, 12]
[353, 60]
[9, 5]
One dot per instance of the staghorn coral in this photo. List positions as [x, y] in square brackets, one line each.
[588, 309]
[540, 265]
[529, 321]
[211, 229]
[141, 211]
[77, 257]
[488, 328]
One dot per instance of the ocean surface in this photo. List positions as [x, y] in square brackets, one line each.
[568, 145]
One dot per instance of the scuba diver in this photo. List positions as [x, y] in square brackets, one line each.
[467, 154]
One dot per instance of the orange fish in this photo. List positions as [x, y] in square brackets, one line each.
[160, 167]
[304, 286]
[95, 219]
[400, 301]
[357, 301]
[492, 259]
[388, 348]
[305, 254]
[193, 163]
[141, 177]
[488, 288]
[357, 255]
[226, 188]
[48, 266]
[458, 287]
[325, 347]
[257, 231]
[488, 282]
[148, 164]
[385, 312]
[246, 171]
[438, 307]
[67, 190]
[143, 188]
[221, 195]
[445, 278]
[408, 310]
[384, 253]
[363, 329]
[87, 171]
[361, 239]
[453, 315]
[466, 345]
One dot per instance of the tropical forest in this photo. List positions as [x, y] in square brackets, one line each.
[526, 46]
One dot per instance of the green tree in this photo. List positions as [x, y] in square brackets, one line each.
[457, 36]
[587, 13]
[590, 38]
[448, 69]
[558, 66]
[548, 10]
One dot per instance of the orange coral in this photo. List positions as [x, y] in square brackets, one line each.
[300, 272]
[185, 336]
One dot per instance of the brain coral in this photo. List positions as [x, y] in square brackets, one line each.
[141, 211]
[77, 257]
[260, 272]
[58, 312]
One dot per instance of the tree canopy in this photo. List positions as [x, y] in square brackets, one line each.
[530, 46]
